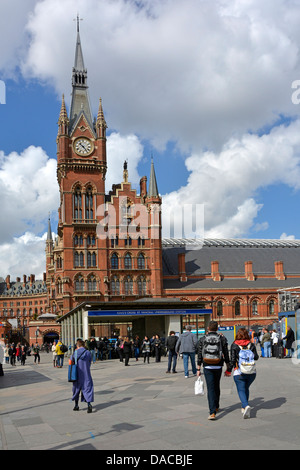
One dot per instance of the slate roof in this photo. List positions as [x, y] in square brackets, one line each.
[231, 255]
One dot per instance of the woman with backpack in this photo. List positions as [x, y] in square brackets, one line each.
[243, 355]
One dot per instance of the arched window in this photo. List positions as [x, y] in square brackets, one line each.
[128, 284]
[254, 308]
[237, 308]
[142, 286]
[79, 284]
[271, 307]
[89, 211]
[219, 308]
[77, 203]
[114, 261]
[115, 286]
[141, 261]
[128, 261]
[92, 284]
[91, 259]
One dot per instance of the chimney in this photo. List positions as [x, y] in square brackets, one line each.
[7, 280]
[32, 279]
[279, 272]
[215, 273]
[143, 186]
[18, 279]
[44, 277]
[24, 280]
[181, 267]
[249, 271]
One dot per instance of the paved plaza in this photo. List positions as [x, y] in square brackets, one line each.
[141, 407]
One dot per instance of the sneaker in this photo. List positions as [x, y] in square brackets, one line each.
[212, 416]
[186, 376]
[246, 413]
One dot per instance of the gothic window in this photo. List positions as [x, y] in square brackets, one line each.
[254, 308]
[114, 261]
[89, 211]
[115, 286]
[78, 259]
[271, 307]
[91, 259]
[77, 203]
[219, 308]
[141, 241]
[141, 261]
[128, 261]
[128, 284]
[114, 242]
[79, 284]
[128, 241]
[142, 289]
[92, 284]
[237, 308]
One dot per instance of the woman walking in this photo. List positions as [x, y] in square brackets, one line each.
[146, 348]
[84, 383]
[157, 348]
[244, 369]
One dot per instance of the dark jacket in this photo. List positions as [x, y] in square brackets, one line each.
[127, 347]
[224, 346]
[171, 342]
[235, 351]
[290, 338]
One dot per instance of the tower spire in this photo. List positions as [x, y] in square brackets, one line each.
[80, 99]
[153, 191]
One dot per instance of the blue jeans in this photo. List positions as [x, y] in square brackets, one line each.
[93, 353]
[243, 383]
[267, 349]
[60, 360]
[185, 357]
[212, 378]
[172, 355]
[136, 353]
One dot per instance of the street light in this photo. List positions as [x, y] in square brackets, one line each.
[37, 333]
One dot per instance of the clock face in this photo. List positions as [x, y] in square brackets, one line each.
[83, 146]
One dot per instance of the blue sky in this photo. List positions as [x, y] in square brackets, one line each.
[205, 87]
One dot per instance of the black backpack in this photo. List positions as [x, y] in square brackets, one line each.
[212, 349]
[63, 348]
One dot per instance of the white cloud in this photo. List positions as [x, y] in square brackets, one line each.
[284, 236]
[193, 72]
[23, 255]
[227, 182]
[119, 149]
[28, 191]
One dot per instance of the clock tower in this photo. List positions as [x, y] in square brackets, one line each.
[79, 257]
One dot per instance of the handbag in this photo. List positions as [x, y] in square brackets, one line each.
[199, 386]
[72, 371]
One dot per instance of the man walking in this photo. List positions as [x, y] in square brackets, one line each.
[187, 345]
[212, 352]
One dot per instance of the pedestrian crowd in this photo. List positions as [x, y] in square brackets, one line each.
[211, 352]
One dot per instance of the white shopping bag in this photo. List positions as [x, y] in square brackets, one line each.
[199, 386]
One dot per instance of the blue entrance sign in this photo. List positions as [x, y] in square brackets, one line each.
[113, 313]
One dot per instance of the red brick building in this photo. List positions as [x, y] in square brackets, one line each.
[109, 247]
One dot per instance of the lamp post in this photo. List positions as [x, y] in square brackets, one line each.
[37, 331]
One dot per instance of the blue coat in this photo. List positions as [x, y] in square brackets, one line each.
[84, 382]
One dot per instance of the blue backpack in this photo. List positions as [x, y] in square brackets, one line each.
[246, 360]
